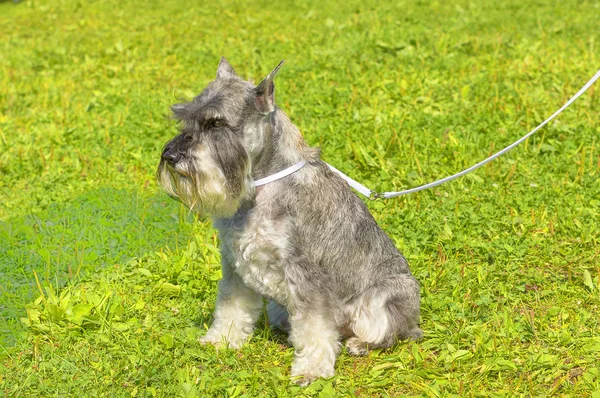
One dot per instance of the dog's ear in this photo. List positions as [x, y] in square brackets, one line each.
[265, 92]
[225, 70]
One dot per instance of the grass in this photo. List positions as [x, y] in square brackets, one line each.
[105, 284]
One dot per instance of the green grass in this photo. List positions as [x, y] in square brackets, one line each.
[105, 284]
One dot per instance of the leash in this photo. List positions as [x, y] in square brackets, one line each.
[371, 194]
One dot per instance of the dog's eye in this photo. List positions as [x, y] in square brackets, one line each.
[188, 137]
[216, 123]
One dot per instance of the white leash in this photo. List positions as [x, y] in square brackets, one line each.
[354, 184]
[386, 195]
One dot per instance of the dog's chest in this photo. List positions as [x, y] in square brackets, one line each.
[258, 247]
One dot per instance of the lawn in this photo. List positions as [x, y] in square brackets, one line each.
[106, 283]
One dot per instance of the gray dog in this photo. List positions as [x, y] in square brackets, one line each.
[304, 241]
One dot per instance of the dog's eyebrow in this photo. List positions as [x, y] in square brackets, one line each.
[208, 112]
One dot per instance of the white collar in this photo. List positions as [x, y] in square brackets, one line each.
[281, 174]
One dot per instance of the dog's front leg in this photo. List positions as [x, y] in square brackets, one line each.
[236, 312]
[314, 333]
[316, 345]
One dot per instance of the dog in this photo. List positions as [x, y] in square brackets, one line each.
[304, 241]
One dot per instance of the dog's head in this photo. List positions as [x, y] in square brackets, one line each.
[222, 131]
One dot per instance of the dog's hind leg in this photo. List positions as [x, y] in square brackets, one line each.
[384, 313]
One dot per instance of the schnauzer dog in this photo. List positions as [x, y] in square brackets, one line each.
[304, 240]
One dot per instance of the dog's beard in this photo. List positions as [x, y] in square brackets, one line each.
[204, 188]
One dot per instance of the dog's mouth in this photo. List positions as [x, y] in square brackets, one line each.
[182, 173]
[175, 170]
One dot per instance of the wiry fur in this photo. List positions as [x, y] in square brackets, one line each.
[305, 242]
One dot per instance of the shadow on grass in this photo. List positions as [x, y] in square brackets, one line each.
[98, 229]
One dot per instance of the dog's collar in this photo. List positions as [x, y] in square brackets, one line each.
[281, 174]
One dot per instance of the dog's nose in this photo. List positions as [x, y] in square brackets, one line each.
[171, 156]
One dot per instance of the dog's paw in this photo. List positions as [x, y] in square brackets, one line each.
[305, 375]
[307, 379]
[220, 341]
[415, 334]
[356, 347]
[206, 340]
